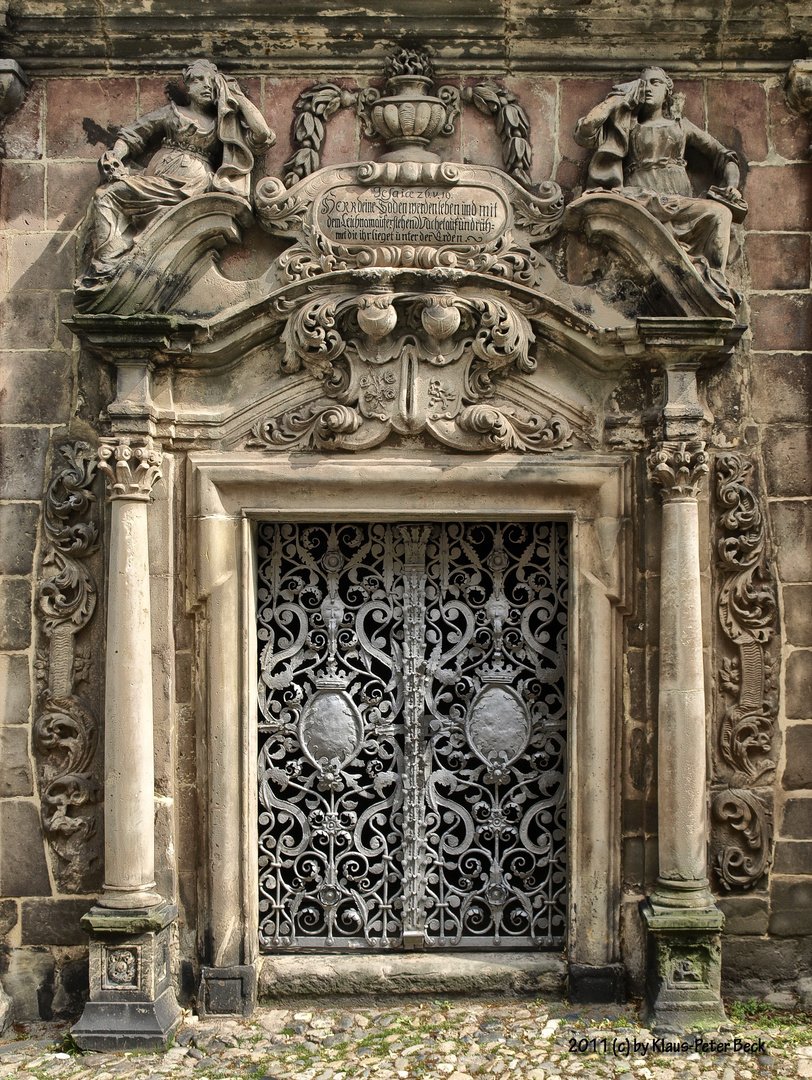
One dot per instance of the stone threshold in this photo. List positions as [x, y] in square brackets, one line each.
[336, 975]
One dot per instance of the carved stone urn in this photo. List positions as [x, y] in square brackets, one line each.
[410, 116]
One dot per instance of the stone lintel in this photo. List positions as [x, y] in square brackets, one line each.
[101, 920]
[590, 984]
[227, 990]
[689, 340]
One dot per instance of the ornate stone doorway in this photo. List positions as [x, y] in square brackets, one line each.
[412, 716]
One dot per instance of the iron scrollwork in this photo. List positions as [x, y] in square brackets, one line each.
[412, 718]
[66, 730]
[748, 617]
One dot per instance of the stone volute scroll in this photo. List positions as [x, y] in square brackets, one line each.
[207, 143]
[639, 149]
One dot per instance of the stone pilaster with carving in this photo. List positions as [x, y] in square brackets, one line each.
[66, 729]
[682, 920]
[132, 1003]
[742, 800]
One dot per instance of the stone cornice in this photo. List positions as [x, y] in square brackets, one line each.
[488, 37]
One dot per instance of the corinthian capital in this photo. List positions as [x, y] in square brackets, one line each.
[678, 468]
[132, 466]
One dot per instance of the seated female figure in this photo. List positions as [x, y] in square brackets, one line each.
[640, 154]
[207, 145]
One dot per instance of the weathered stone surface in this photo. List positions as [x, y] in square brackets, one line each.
[793, 857]
[787, 452]
[797, 821]
[739, 118]
[281, 976]
[16, 777]
[799, 689]
[23, 871]
[8, 916]
[15, 694]
[761, 961]
[84, 115]
[779, 198]
[53, 922]
[42, 260]
[15, 613]
[798, 614]
[744, 914]
[782, 387]
[22, 462]
[782, 321]
[30, 982]
[22, 195]
[70, 187]
[22, 130]
[26, 323]
[778, 260]
[792, 527]
[791, 133]
[18, 528]
[36, 387]
[798, 770]
[791, 906]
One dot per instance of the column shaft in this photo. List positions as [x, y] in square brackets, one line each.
[129, 841]
[682, 751]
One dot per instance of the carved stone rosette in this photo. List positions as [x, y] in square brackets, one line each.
[66, 730]
[748, 684]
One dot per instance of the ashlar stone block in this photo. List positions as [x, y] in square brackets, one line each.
[798, 770]
[15, 764]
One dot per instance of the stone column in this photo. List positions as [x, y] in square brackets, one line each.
[684, 924]
[132, 1004]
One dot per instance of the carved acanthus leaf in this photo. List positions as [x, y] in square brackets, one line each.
[677, 468]
[511, 432]
[743, 866]
[132, 466]
[65, 729]
[747, 613]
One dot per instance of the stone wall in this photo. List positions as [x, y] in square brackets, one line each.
[52, 395]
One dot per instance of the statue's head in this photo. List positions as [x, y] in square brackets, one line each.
[658, 89]
[199, 80]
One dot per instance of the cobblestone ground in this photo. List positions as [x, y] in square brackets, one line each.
[442, 1040]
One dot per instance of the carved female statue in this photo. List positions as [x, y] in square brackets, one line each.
[640, 154]
[207, 145]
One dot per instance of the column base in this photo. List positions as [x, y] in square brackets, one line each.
[227, 991]
[684, 968]
[132, 1003]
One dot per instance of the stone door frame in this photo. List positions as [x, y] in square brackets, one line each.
[229, 492]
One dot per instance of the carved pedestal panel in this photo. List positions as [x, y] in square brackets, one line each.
[132, 1004]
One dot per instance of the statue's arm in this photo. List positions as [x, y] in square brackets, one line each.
[725, 162]
[589, 129]
[133, 140]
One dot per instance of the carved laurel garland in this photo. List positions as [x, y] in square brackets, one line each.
[316, 107]
[748, 683]
[65, 730]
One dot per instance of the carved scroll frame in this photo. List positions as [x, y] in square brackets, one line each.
[66, 728]
[745, 751]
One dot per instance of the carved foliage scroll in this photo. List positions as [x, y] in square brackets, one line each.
[748, 682]
[66, 731]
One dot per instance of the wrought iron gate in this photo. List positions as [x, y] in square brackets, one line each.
[412, 698]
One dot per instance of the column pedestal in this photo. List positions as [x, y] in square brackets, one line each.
[132, 1004]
